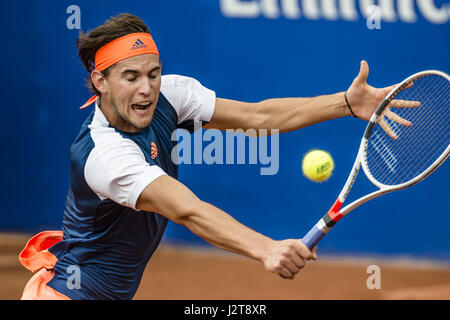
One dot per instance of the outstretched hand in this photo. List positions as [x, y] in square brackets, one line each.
[364, 100]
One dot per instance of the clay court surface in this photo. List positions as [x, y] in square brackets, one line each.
[193, 273]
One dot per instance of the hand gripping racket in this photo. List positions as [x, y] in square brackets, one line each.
[405, 156]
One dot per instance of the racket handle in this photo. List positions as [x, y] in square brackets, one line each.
[313, 237]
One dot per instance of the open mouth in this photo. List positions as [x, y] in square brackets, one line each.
[140, 107]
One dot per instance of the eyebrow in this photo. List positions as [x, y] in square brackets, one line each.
[137, 72]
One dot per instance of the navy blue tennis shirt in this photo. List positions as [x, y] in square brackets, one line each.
[105, 237]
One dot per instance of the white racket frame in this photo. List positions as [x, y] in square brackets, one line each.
[362, 152]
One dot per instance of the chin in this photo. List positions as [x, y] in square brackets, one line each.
[142, 123]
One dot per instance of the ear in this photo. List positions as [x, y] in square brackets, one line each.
[99, 81]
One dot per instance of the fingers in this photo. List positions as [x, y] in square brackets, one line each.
[363, 72]
[396, 103]
[314, 254]
[389, 89]
[287, 257]
[386, 128]
[296, 260]
[303, 250]
[289, 269]
[409, 85]
[292, 262]
[395, 117]
[285, 274]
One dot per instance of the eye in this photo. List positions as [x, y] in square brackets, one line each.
[131, 79]
[155, 73]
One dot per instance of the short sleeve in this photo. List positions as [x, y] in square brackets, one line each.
[117, 169]
[190, 99]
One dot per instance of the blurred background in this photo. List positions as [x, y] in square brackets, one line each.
[246, 50]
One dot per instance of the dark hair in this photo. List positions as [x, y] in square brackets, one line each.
[113, 28]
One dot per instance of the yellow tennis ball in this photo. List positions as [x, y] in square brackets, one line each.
[317, 165]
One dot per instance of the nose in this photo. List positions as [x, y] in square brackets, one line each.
[146, 87]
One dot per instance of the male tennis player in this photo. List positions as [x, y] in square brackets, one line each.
[123, 184]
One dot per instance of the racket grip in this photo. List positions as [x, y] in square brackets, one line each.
[313, 237]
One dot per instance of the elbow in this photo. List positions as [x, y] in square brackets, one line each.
[261, 115]
[186, 212]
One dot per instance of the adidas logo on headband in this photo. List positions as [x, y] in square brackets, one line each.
[138, 45]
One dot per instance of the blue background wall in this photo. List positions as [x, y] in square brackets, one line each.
[244, 58]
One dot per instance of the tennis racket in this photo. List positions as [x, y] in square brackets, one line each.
[394, 156]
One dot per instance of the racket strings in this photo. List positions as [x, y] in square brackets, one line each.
[410, 155]
[420, 149]
[417, 147]
[380, 145]
[421, 127]
[439, 125]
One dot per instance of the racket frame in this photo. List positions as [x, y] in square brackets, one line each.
[328, 221]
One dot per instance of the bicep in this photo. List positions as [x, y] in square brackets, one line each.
[168, 197]
[233, 114]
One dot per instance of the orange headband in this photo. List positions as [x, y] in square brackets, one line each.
[122, 48]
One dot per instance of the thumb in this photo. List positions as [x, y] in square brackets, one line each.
[314, 252]
[363, 72]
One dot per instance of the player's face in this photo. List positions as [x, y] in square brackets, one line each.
[132, 92]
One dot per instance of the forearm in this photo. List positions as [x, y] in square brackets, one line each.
[288, 114]
[223, 231]
[176, 202]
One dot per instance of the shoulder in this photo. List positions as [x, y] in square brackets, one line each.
[190, 99]
[178, 89]
[107, 139]
[116, 167]
[171, 81]
[111, 150]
